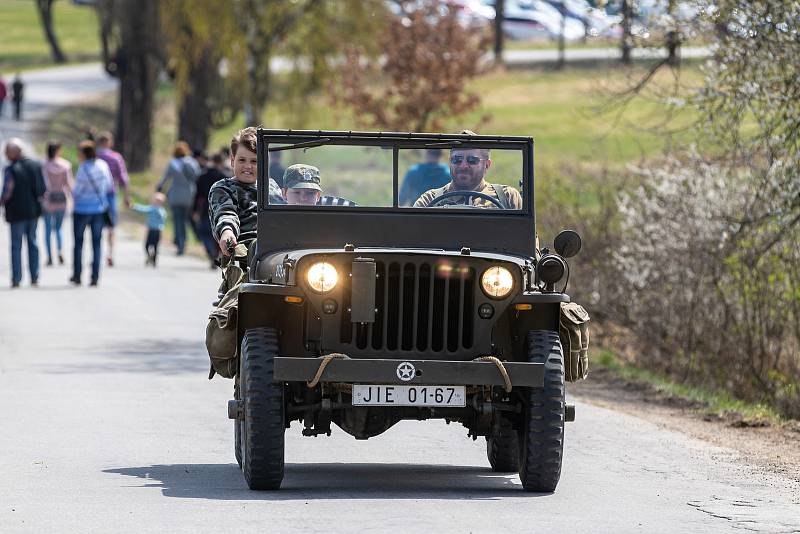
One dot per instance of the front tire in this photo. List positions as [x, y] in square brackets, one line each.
[237, 427]
[262, 430]
[542, 430]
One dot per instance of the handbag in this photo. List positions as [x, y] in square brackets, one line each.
[108, 216]
[56, 197]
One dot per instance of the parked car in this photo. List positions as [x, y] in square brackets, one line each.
[527, 20]
[596, 22]
[552, 18]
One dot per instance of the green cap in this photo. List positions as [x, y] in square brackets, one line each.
[301, 176]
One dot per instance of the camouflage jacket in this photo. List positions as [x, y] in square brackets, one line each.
[233, 204]
[513, 199]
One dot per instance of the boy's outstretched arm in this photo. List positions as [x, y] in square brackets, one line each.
[224, 217]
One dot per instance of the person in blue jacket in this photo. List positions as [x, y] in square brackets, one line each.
[429, 174]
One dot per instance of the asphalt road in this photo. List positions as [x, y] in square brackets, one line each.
[108, 424]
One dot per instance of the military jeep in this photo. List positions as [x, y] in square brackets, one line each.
[361, 312]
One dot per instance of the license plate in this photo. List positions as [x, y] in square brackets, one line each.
[379, 395]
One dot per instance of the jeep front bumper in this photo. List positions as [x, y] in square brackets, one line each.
[425, 372]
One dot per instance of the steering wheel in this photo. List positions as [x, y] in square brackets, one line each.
[468, 195]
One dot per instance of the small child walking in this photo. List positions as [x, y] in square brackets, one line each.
[156, 218]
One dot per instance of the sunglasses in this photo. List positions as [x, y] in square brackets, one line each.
[471, 160]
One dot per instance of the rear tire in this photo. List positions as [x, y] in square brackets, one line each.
[262, 430]
[237, 437]
[502, 447]
[542, 430]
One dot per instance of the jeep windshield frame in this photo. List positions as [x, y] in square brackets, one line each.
[282, 227]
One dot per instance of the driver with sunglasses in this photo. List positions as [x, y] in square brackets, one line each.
[467, 170]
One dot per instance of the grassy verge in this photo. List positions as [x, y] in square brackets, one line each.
[718, 403]
[22, 42]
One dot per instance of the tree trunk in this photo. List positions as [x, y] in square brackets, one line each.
[499, 36]
[195, 111]
[45, 8]
[137, 66]
[673, 38]
[260, 80]
[562, 43]
[673, 48]
[627, 39]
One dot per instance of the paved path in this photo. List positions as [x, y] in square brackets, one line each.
[108, 424]
[47, 89]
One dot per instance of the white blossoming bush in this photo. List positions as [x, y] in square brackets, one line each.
[712, 278]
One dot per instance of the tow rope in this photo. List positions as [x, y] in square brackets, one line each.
[323, 364]
[500, 367]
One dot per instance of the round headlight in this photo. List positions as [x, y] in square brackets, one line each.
[497, 282]
[551, 269]
[322, 277]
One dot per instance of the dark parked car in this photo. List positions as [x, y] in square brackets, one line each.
[367, 313]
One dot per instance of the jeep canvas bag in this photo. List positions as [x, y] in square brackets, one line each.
[574, 334]
[221, 332]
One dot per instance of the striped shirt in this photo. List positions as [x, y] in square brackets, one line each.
[328, 200]
[233, 204]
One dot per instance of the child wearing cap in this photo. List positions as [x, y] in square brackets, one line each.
[301, 185]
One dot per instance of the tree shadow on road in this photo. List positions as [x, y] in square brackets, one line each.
[144, 355]
[332, 481]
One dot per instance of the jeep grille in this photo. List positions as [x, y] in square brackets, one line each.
[421, 307]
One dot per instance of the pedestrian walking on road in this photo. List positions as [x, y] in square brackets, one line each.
[3, 94]
[119, 172]
[200, 217]
[156, 219]
[22, 195]
[16, 96]
[93, 184]
[181, 175]
[58, 179]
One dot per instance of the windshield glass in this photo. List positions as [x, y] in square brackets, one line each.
[433, 177]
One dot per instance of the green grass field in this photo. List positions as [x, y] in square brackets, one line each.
[22, 41]
[569, 114]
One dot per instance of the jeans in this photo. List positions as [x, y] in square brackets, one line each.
[26, 229]
[180, 217]
[52, 223]
[79, 223]
[151, 244]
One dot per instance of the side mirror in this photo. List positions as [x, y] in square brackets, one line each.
[567, 243]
